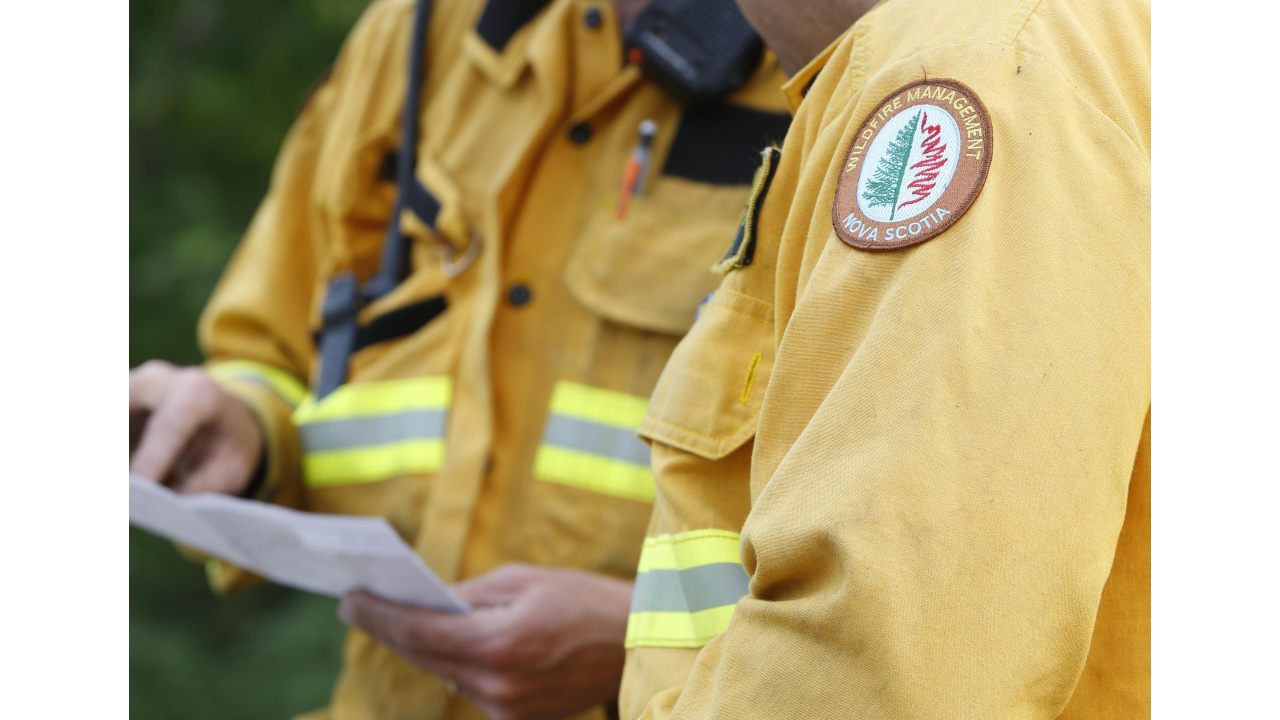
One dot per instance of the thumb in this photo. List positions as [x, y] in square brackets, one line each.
[410, 629]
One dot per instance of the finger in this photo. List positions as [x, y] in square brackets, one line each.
[137, 423]
[149, 384]
[221, 471]
[413, 630]
[166, 434]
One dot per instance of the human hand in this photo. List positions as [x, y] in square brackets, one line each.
[539, 643]
[182, 425]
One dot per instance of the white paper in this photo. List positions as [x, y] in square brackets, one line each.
[325, 554]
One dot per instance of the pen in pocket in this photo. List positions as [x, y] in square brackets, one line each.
[637, 167]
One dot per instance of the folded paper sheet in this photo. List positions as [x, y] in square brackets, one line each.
[326, 554]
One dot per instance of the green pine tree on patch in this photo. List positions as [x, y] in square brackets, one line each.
[883, 187]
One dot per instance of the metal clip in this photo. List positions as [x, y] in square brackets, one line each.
[451, 264]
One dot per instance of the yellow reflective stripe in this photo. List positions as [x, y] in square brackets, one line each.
[373, 431]
[682, 551]
[596, 473]
[597, 405]
[377, 398]
[676, 629]
[374, 463]
[708, 549]
[285, 385]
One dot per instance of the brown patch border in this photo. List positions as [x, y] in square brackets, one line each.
[983, 116]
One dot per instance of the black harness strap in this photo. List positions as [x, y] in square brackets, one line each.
[344, 297]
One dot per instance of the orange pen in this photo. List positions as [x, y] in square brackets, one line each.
[637, 165]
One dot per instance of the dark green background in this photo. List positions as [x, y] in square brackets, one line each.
[214, 85]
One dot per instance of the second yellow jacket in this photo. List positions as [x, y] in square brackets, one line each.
[491, 406]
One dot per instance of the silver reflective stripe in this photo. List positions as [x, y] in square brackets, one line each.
[372, 430]
[589, 437]
[691, 590]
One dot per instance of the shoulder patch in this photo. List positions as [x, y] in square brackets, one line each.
[743, 248]
[914, 167]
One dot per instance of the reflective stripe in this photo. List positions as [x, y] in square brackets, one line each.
[689, 549]
[590, 443]
[365, 465]
[686, 589]
[378, 398]
[604, 407]
[368, 432]
[289, 388]
[692, 590]
[376, 430]
[677, 630]
[588, 437]
[594, 473]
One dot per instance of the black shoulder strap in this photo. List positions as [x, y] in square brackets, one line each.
[395, 247]
[343, 295]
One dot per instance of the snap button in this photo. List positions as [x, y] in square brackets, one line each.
[580, 133]
[519, 295]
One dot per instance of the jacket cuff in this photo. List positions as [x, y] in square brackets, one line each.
[272, 403]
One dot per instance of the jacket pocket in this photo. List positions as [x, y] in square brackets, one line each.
[651, 268]
[707, 401]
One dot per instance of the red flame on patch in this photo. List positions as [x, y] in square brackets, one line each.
[928, 169]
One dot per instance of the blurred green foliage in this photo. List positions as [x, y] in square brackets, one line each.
[214, 85]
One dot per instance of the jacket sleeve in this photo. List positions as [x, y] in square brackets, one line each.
[942, 462]
[256, 328]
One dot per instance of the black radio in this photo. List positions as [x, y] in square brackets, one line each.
[695, 50]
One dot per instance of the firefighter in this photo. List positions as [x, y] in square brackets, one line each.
[455, 322]
[903, 455]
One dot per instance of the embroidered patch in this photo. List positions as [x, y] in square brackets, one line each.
[914, 167]
[743, 248]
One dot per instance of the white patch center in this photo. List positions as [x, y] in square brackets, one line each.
[910, 164]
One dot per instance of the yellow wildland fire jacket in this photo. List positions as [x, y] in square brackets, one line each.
[903, 455]
[491, 402]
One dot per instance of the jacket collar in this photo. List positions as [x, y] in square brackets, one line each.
[502, 19]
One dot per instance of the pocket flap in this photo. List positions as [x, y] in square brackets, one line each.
[652, 268]
[707, 401]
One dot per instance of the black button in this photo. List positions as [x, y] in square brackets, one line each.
[580, 133]
[519, 295]
[594, 18]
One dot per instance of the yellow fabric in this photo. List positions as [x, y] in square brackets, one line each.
[946, 454]
[496, 151]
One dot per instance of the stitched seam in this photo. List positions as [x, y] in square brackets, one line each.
[679, 640]
[1063, 76]
[1018, 28]
[1005, 36]
[750, 380]
[700, 642]
[768, 306]
[718, 441]
[676, 539]
[743, 314]
[1027, 53]
[857, 68]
